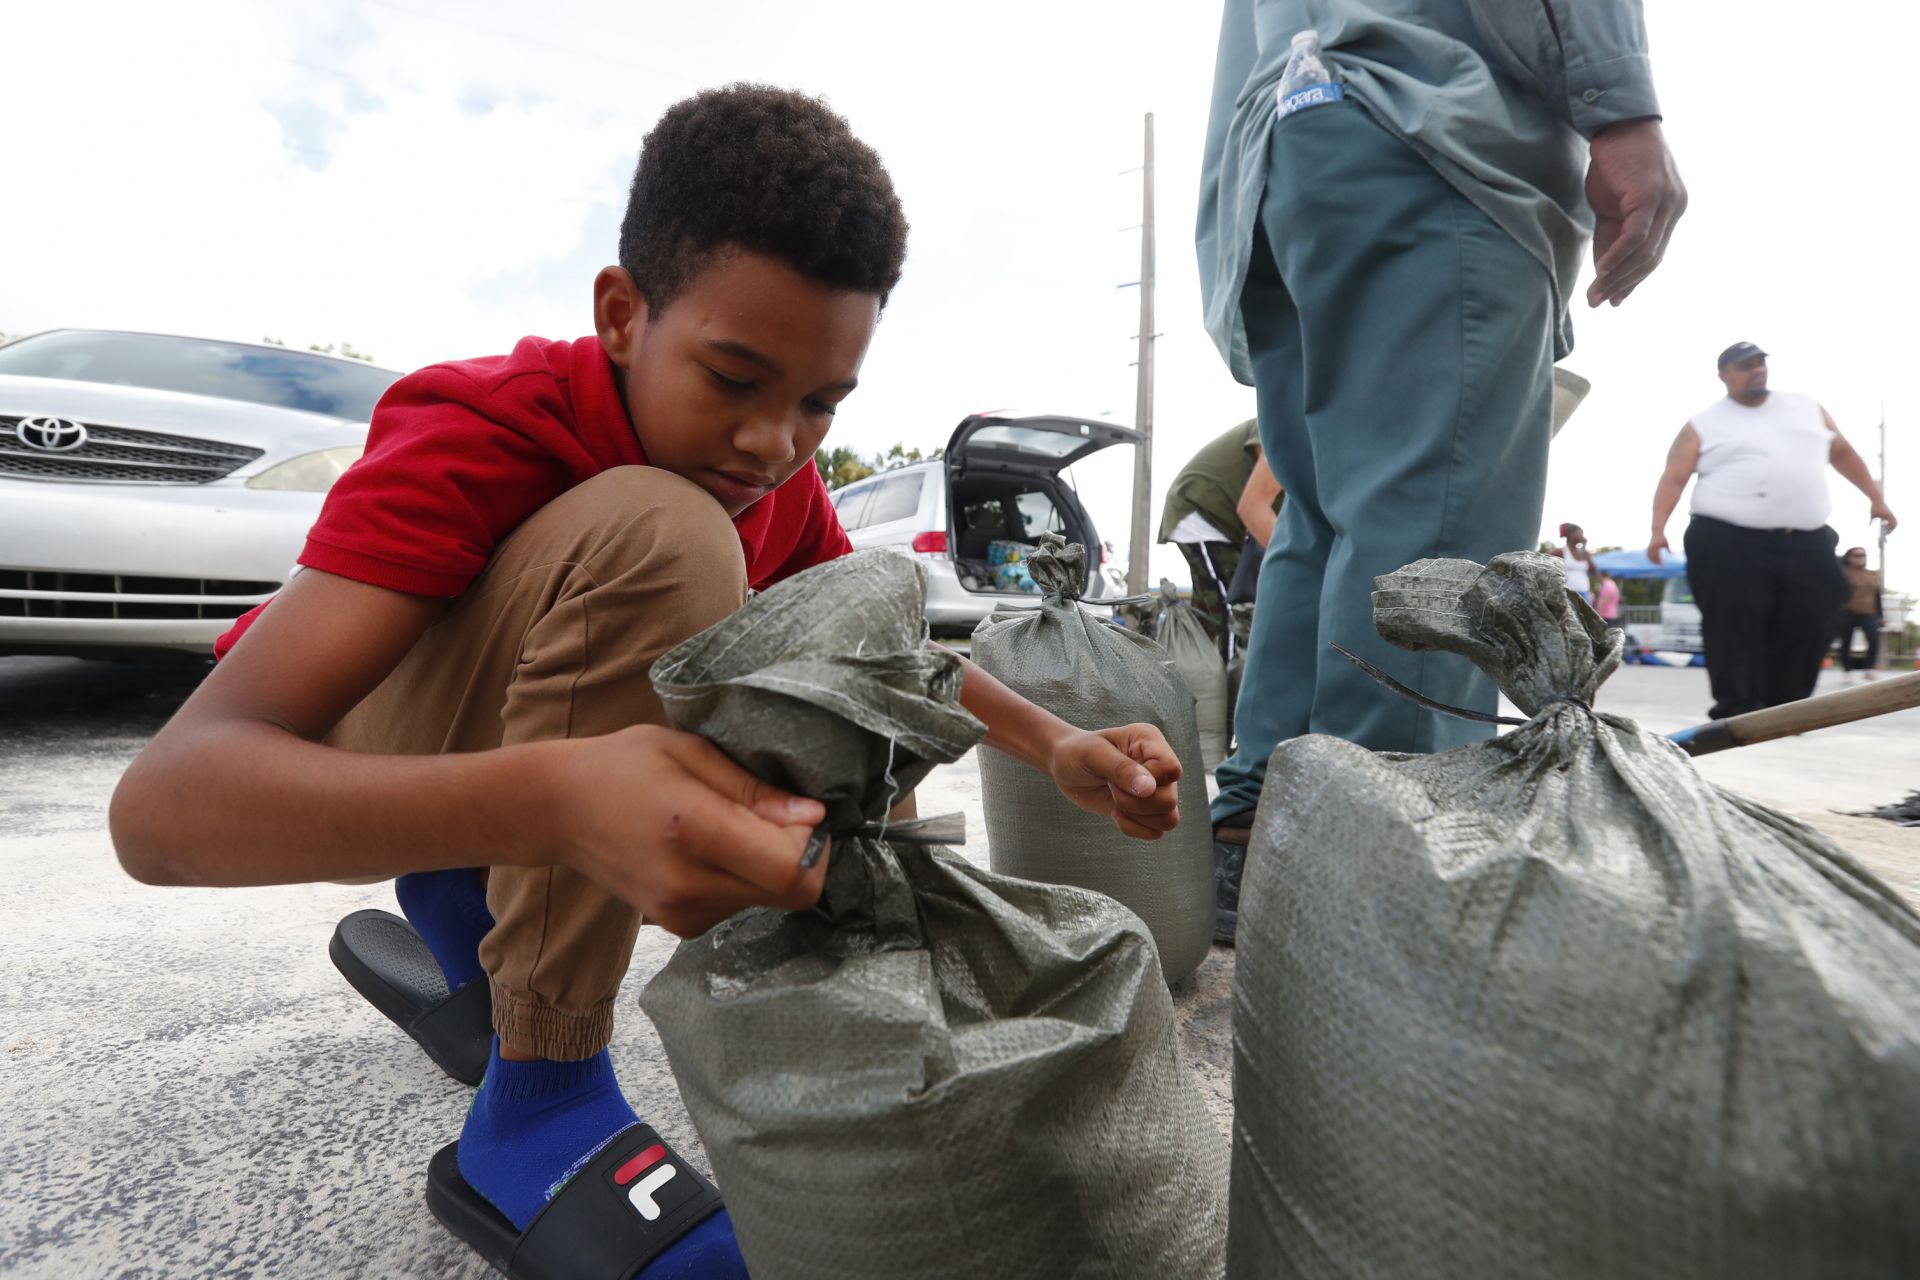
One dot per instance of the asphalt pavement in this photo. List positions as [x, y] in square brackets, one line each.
[187, 1088]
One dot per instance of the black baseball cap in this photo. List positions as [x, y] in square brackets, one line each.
[1739, 351]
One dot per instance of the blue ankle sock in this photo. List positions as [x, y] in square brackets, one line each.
[533, 1124]
[449, 911]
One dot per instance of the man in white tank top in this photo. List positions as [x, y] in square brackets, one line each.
[1759, 552]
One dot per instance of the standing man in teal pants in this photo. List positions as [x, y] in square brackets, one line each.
[1390, 269]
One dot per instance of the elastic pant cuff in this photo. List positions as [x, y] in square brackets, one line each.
[560, 1035]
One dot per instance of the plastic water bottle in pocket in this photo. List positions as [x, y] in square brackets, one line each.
[1307, 81]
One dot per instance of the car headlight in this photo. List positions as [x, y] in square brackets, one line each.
[310, 472]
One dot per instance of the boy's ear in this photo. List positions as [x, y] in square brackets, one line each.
[619, 313]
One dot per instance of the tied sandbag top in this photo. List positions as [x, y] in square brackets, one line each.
[1060, 568]
[825, 685]
[1514, 619]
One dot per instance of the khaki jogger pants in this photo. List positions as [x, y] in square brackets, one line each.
[554, 640]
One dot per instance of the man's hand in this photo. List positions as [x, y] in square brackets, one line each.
[1130, 774]
[1637, 196]
[1655, 547]
[1883, 513]
[667, 822]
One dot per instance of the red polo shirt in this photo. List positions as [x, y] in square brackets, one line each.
[460, 453]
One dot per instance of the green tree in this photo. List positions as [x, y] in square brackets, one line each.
[841, 467]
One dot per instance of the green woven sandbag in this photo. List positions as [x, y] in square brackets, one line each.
[1555, 1005]
[939, 1072]
[1196, 656]
[1096, 675]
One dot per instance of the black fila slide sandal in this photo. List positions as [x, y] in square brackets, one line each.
[631, 1201]
[389, 963]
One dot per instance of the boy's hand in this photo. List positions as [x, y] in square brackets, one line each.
[1129, 774]
[667, 822]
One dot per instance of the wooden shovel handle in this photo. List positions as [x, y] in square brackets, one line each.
[1877, 699]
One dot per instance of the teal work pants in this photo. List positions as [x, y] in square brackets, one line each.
[1402, 349]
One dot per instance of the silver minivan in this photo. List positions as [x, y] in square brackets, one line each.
[1000, 481]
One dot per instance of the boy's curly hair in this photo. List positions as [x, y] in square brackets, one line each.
[769, 170]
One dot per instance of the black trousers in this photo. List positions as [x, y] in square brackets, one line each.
[1869, 626]
[1767, 602]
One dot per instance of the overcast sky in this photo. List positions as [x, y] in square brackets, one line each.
[428, 180]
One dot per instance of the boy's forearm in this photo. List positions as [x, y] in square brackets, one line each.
[1014, 725]
[255, 805]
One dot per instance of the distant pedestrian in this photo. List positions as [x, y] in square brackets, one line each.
[1759, 552]
[1219, 509]
[1579, 560]
[1606, 600]
[1862, 613]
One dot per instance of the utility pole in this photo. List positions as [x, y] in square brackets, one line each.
[1138, 545]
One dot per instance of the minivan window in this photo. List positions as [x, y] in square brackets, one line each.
[1038, 515]
[849, 502]
[894, 499]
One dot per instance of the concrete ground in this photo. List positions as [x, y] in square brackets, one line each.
[187, 1088]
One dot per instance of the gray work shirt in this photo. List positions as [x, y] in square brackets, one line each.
[1496, 102]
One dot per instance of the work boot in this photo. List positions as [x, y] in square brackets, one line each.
[1229, 864]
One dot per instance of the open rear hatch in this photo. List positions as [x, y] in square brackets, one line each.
[1005, 490]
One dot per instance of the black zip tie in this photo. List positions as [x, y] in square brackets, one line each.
[816, 845]
[1422, 699]
[945, 829]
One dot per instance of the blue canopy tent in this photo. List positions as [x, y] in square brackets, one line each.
[1634, 564]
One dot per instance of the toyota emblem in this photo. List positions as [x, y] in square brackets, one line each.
[51, 435]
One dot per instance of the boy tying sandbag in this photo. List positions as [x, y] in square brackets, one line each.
[458, 678]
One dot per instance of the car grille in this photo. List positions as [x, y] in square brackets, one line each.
[115, 455]
[45, 593]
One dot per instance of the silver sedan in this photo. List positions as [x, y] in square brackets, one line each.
[153, 488]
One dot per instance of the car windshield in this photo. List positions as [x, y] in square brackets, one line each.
[228, 370]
